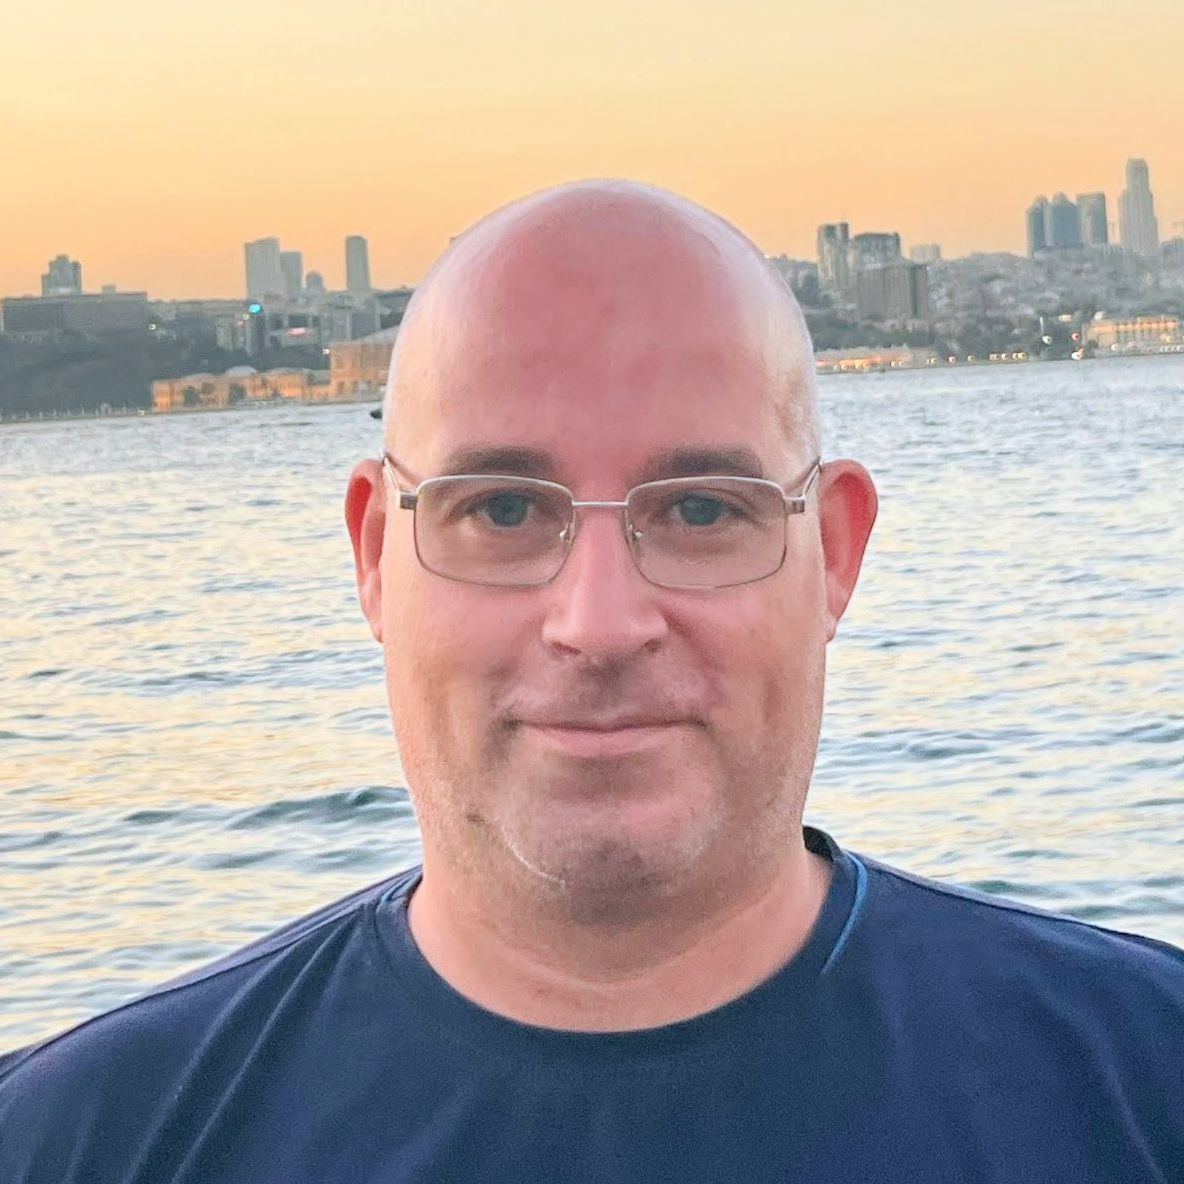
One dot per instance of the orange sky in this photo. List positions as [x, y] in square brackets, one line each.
[150, 141]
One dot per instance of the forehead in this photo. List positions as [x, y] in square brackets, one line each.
[600, 350]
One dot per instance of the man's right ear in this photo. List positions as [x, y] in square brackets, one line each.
[365, 516]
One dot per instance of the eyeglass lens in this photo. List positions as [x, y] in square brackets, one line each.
[703, 532]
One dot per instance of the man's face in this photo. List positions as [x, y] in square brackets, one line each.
[600, 731]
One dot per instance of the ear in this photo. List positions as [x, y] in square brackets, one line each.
[847, 506]
[365, 516]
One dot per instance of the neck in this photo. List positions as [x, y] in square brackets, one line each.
[515, 958]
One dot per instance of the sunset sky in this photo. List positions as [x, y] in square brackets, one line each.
[149, 141]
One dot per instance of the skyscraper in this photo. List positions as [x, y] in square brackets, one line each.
[832, 256]
[1036, 222]
[357, 264]
[292, 266]
[1138, 226]
[1063, 224]
[1091, 207]
[265, 273]
[872, 249]
[63, 277]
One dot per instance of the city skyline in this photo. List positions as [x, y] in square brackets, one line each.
[152, 143]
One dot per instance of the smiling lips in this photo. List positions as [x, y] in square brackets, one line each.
[603, 737]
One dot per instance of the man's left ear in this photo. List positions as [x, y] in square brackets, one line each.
[365, 516]
[847, 506]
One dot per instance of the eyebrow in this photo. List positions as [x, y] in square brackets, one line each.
[522, 462]
[691, 461]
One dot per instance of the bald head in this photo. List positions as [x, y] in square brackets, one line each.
[603, 266]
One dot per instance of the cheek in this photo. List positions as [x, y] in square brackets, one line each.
[448, 649]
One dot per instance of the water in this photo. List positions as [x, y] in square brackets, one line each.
[194, 745]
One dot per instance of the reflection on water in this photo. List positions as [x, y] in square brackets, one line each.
[194, 745]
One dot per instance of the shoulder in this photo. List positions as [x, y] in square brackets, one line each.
[980, 938]
[103, 1071]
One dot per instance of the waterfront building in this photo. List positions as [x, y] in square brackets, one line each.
[292, 268]
[1036, 223]
[358, 369]
[866, 357]
[1151, 334]
[1138, 225]
[1091, 210]
[265, 272]
[62, 278]
[926, 253]
[240, 385]
[896, 292]
[1063, 225]
[832, 257]
[357, 264]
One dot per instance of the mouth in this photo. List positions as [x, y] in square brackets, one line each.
[602, 738]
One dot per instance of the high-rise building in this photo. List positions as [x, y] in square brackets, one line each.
[925, 253]
[1063, 224]
[1091, 208]
[1036, 223]
[314, 282]
[872, 249]
[894, 291]
[292, 266]
[357, 264]
[63, 277]
[265, 272]
[832, 256]
[1138, 226]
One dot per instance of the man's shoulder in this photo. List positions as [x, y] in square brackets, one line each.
[976, 933]
[164, 1022]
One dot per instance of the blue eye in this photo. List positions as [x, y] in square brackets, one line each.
[697, 510]
[506, 509]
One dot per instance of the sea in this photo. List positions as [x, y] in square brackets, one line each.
[195, 745]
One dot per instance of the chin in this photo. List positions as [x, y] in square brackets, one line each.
[605, 858]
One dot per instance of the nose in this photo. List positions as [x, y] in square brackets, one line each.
[601, 607]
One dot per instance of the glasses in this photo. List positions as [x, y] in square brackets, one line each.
[684, 532]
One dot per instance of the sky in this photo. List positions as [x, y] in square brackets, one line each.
[151, 140]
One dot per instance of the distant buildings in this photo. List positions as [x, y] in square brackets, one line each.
[265, 271]
[1052, 225]
[239, 385]
[1063, 228]
[895, 291]
[292, 268]
[1137, 334]
[357, 264]
[1138, 226]
[1091, 210]
[925, 253]
[872, 249]
[64, 278]
[1065, 225]
[358, 369]
[832, 257]
[868, 270]
[1035, 227]
[102, 314]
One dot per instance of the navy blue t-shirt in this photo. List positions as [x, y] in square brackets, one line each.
[922, 1034]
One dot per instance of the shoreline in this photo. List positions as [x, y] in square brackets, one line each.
[263, 405]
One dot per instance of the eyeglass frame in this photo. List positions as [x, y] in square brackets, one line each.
[794, 504]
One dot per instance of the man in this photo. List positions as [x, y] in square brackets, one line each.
[604, 561]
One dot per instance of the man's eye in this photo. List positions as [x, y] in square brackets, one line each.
[505, 509]
[697, 509]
